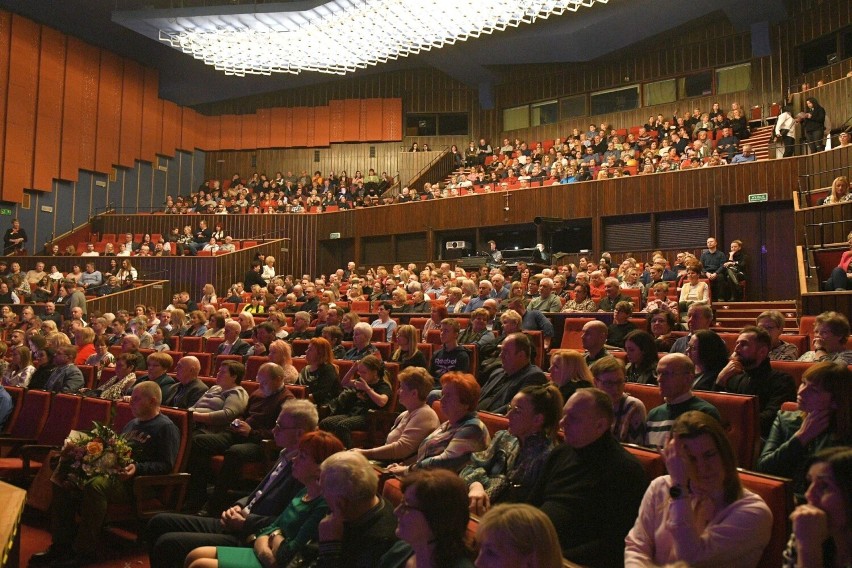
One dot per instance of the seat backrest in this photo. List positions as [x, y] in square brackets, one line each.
[741, 418]
[793, 368]
[648, 394]
[191, 344]
[537, 339]
[790, 406]
[494, 422]
[392, 491]
[418, 323]
[17, 394]
[777, 493]
[254, 363]
[392, 371]
[63, 416]
[635, 295]
[652, 461]
[802, 342]
[93, 410]
[343, 366]
[122, 415]
[212, 344]
[183, 420]
[433, 336]
[572, 333]
[299, 391]
[176, 356]
[360, 306]
[88, 375]
[206, 360]
[806, 323]
[379, 334]
[384, 349]
[33, 415]
[427, 349]
[300, 346]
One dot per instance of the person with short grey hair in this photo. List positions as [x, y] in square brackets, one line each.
[361, 526]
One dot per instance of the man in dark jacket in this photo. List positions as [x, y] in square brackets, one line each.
[515, 373]
[749, 372]
[172, 536]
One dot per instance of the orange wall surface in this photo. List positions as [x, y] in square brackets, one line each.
[71, 106]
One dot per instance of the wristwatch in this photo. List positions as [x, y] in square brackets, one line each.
[676, 492]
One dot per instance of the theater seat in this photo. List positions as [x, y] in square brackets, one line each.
[741, 419]
[572, 333]
[777, 493]
[652, 461]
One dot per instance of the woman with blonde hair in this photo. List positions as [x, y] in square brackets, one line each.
[20, 369]
[178, 320]
[407, 354]
[268, 272]
[281, 354]
[569, 371]
[512, 535]
[839, 192]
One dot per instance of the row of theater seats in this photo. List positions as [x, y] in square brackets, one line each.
[775, 491]
[42, 420]
[40, 423]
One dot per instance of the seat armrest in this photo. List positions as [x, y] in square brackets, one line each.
[35, 452]
[143, 485]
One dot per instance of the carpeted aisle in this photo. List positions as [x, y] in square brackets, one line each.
[118, 553]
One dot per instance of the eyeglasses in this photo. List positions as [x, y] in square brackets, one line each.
[609, 384]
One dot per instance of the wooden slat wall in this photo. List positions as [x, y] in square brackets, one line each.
[708, 189]
[5, 54]
[21, 96]
[71, 106]
[148, 294]
[48, 140]
[336, 158]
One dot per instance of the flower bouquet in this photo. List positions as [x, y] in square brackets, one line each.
[87, 455]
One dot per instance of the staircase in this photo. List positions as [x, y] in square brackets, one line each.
[759, 141]
[733, 316]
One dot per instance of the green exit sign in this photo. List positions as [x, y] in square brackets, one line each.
[5, 211]
[758, 197]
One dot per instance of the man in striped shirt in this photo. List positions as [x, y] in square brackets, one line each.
[675, 374]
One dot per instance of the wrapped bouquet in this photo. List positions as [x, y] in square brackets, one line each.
[87, 455]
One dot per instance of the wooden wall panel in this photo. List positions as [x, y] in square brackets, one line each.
[374, 115]
[278, 123]
[51, 79]
[171, 129]
[213, 132]
[248, 128]
[299, 121]
[336, 112]
[264, 128]
[310, 126]
[191, 132]
[75, 64]
[321, 126]
[391, 119]
[287, 127]
[351, 120]
[109, 112]
[230, 133]
[88, 107]
[131, 113]
[21, 96]
[5, 50]
[152, 117]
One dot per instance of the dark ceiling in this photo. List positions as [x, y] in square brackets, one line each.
[585, 35]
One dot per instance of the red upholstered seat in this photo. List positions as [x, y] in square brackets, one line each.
[652, 461]
[778, 495]
[212, 344]
[793, 368]
[254, 363]
[191, 344]
[572, 332]
[741, 419]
